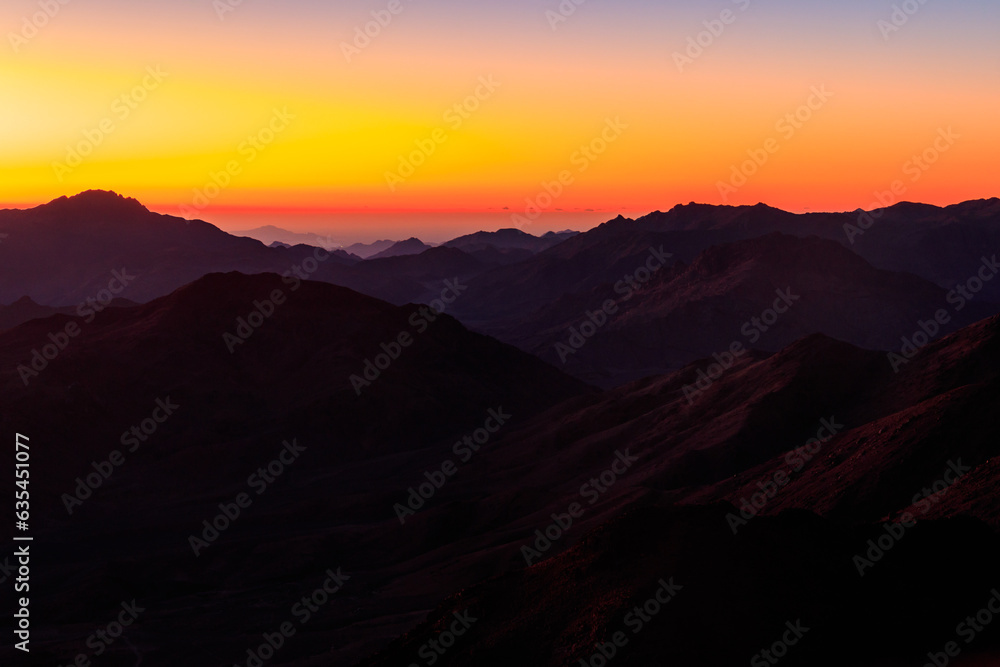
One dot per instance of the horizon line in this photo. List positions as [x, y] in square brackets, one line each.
[354, 210]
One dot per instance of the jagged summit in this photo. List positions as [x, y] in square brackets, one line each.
[97, 200]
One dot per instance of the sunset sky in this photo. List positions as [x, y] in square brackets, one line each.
[330, 126]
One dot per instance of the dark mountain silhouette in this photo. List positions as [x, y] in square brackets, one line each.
[387, 400]
[583, 262]
[66, 251]
[269, 235]
[406, 279]
[430, 265]
[934, 411]
[289, 379]
[366, 250]
[787, 578]
[898, 430]
[24, 310]
[894, 436]
[317, 340]
[412, 246]
[492, 256]
[508, 239]
[945, 245]
[533, 300]
[694, 310]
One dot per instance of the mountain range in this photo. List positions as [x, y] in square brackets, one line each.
[769, 435]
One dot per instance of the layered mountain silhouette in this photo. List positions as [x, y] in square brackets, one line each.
[366, 250]
[786, 583]
[412, 246]
[827, 483]
[760, 293]
[312, 335]
[945, 245]
[24, 310]
[290, 379]
[303, 374]
[270, 235]
[509, 239]
[913, 447]
[66, 251]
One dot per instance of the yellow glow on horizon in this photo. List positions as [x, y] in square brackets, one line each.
[355, 122]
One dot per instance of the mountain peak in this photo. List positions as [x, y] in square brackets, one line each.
[411, 246]
[103, 201]
[913, 209]
[694, 206]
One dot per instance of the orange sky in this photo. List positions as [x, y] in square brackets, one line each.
[267, 94]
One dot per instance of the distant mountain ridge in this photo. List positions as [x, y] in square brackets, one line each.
[65, 251]
[942, 244]
[411, 246]
[366, 250]
[693, 310]
[269, 235]
[509, 239]
[531, 291]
